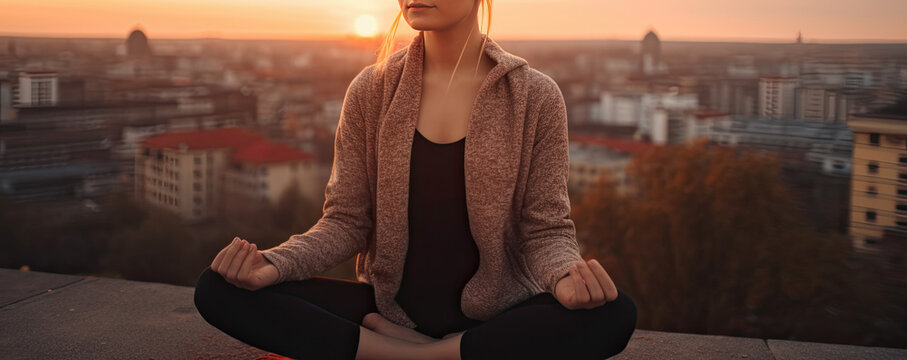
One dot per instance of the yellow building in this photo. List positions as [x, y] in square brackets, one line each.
[879, 179]
[191, 173]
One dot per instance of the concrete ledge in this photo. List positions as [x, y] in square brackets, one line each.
[46, 315]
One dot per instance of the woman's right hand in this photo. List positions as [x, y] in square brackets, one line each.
[242, 265]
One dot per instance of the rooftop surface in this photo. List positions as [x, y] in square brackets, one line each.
[52, 316]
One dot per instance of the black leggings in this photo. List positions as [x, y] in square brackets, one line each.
[319, 318]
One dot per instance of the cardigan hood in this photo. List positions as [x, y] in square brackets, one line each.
[515, 161]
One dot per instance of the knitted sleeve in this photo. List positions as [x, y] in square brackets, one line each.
[346, 223]
[547, 233]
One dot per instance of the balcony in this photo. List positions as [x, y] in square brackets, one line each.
[51, 316]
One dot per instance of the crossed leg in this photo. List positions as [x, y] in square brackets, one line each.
[326, 318]
[538, 328]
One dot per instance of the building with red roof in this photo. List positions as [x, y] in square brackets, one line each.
[592, 157]
[625, 146]
[266, 152]
[699, 124]
[204, 139]
[199, 173]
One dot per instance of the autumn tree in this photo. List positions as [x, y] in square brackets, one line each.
[708, 240]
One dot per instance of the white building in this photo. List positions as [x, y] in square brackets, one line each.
[825, 147]
[699, 124]
[644, 110]
[821, 104]
[37, 88]
[592, 157]
[198, 174]
[777, 97]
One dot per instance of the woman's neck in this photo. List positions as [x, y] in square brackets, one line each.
[443, 47]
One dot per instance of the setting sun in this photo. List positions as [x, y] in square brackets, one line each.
[366, 26]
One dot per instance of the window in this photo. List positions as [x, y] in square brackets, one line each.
[871, 190]
[198, 174]
[873, 167]
[902, 159]
[870, 241]
[901, 207]
[902, 192]
[902, 176]
[198, 160]
[871, 216]
[874, 139]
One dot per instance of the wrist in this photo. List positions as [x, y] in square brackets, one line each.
[559, 280]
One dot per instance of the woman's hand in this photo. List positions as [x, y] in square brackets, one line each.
[586, 286]
[242, 265]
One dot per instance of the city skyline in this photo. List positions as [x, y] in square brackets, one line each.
[694, 20]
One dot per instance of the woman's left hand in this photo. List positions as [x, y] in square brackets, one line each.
[586, 286]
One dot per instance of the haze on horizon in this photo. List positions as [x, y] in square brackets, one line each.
[766, 20]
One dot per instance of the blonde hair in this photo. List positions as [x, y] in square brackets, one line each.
[387, 47]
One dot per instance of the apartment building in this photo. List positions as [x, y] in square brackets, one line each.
[879, 177]
[193, 173]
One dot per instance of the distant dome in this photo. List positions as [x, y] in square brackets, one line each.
[650, 54]
[651, 37]
[137, 44]
[651, 44]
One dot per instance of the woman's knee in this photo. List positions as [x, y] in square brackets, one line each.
[626, 308]
[616, 320]
[209, 289]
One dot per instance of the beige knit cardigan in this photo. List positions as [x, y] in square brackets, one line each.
[516, 164]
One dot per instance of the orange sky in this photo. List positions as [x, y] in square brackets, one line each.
[747, 20]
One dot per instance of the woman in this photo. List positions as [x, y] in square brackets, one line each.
[449, 183]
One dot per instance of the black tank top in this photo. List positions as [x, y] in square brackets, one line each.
[442, 255]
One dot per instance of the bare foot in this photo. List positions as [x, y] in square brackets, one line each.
[452, 334]
[379, 324]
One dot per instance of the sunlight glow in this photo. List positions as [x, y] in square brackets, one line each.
[366, 26]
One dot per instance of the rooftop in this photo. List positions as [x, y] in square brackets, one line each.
[266, 152]
[615, 144]
[204, 139]
[708, 113]
[896, 111]
[249, 146]
[47, 315]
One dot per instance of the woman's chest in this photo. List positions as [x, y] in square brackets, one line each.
[444, 114]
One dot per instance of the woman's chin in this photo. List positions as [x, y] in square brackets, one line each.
[422, 26]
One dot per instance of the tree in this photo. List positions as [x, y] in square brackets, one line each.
[159, 249]
[709, 240]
